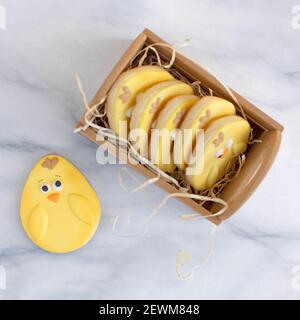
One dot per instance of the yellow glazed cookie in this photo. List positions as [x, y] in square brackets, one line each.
[123, 93]
[60, 211]
[169, 119]
[148, 106]
[198, 117]
[225, 138]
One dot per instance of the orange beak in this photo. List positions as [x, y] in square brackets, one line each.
[53, 197]
[225, 153]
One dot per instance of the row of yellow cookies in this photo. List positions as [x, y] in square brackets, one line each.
[149, 97]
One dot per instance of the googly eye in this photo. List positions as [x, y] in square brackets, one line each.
[45, 188]
[229, 143]
[57, 185]
[219, 153]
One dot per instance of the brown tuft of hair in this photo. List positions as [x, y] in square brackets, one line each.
[50, 163]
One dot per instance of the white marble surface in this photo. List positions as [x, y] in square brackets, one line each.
[250, 45]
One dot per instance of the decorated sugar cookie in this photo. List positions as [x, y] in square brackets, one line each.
[169, 119]
[225, 138]
[60, 211]
[198, 117]
[149, 105]
[123, 93]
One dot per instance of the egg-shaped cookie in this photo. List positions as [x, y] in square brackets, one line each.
[223, 139]
[122, 95]
[148, 107]
[60, 210]
[168, 120]
[208, 108]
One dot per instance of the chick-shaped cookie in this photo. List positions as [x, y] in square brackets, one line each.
[208, 109]
[224, 139]
[60, 211]
[122, 95]
[147, 108]
[168, 120]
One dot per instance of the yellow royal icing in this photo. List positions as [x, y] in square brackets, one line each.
[60, 211]
[225, 138]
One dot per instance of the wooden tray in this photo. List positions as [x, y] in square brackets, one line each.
[260, 156]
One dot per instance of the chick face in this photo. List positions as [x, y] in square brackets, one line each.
[225, 150]
[52, 190]
[60, 211]
[224, 139]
